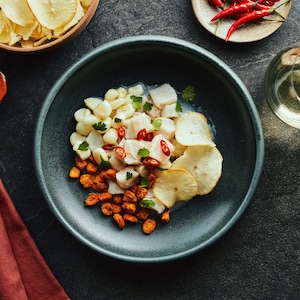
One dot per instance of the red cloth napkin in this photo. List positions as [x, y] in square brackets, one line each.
[24, 273]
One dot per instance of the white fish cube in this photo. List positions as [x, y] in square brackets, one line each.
[163, 95]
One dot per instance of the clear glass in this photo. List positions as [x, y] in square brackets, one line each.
[282, 85]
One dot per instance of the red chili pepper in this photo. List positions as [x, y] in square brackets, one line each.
[165, 148]
[141, 134]
[149, 137]
[108, 146]
[233, 10]
[261, 6]
[150, 162]
[3, 87]
[120, 152]
[121, 132]
[218, 3]
[253, 16]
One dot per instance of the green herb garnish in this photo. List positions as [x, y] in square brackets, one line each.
[100, 126]
[188, 94]
[104, 164]
[145, 182]
[117, 120]
[178, 107]
[156, 124]
[137, 101]
[147, 203]
[147, 106]
[128, 175]
[143, 152]
[84, 146]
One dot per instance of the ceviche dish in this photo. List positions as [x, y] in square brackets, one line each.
[139, 152]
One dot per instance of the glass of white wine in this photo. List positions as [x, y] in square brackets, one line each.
[282, 85]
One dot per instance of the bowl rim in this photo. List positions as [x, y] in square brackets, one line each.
[162, 40]
[70, 34]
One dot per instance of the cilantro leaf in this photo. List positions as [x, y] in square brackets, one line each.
[117, 120]
[157, 123]
[143, 152]
[128, 175]
[188, 94]
[145, 182]
[104, 164]
[100, 126]
[84, 146]
[147, 203]
[137, 101]
[178, 107]
[147, 106]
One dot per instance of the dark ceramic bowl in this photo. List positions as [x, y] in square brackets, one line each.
[221, 96]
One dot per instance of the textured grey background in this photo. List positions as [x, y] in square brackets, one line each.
[258, 259]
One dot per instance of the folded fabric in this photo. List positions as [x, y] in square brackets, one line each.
[24, 273]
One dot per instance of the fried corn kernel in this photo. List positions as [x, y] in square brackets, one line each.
[74, 173]
[110, 174]
[129, 207]
[92, 199]
[117, 199]
[105, 196]
[91, 168]
[130, 218]
[165, 217]
[129, 196]
[143, 213]
[141, 192]
[152, 178]
[80, 163]
[107, 209]
[148, 226]
[99, 183]
[86, 180]
[119, 220]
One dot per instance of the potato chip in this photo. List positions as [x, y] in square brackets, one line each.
[173, 186]
[53, 14]
[26, 32]
[204, 163]
[17, 11]
[192, 129]
[77, 17]
[4, 29]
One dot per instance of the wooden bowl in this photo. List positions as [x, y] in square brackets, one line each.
[56, 43]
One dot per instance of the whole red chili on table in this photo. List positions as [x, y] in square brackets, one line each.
[3, 87]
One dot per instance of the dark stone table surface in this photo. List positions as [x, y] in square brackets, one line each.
[258, 259]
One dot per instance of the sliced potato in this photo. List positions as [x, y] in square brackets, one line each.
[192, 129]
[173, 186]
[204, 163]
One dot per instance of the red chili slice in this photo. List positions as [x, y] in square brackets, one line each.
[3, 87]
[149, 137]
[108, 146]
[150, 162]
[141, 134]
[120, 152]
[165, 148]
[121, 132]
